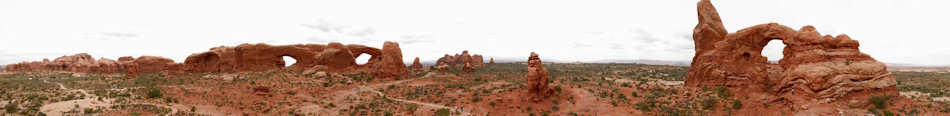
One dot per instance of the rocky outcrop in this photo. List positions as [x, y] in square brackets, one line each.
[443, 67]
[333, 58]
[814, 68]
[447, 60]
[391, 64]
[478, 61]
[83, 62]
[468, 62]
[537, 79]
[415, 64]
[491, 61]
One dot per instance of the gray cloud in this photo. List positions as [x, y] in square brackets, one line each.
[582, 45]
[110, 35]
[330, 32]
[415, 39]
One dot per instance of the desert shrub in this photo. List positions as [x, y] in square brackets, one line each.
[154, 93]
[887, 113]
[736, 104]
[709, 103]
[291, 92]
[722, 92]
[879, 101]
[476, 99]
[11, 108]
[91, 111]
[644, 106]
[442, 112]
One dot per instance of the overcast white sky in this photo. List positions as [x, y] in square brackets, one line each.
[893, 31]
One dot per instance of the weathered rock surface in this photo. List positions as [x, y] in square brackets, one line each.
[333, 58]
[391, 64]
[415, 64]
[814, 69]
[443, 67]
[83, 62]
[478, 61]
[468, 62]
[491, 61]
[537, 79]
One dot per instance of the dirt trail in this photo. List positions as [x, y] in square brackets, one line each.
[340, 95]
[60, 108]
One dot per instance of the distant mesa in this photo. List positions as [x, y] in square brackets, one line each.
[815, 69]
[333, 58]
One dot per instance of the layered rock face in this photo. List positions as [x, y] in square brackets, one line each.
[391, 64]
[537, 79]
[415, 64]
[814, 67]
[333, 57]
[83, 62]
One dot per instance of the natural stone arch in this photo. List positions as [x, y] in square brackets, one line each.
[203, 62]
[815, 69]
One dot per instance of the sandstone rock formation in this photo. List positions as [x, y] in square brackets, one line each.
[391, 64]
[469, 62]
[814, 68]
[491, 61]
[477, 60]
[415, 65]
[333, 57]
[443, 67]
[83, 62]
[537, 79]
[447, 60]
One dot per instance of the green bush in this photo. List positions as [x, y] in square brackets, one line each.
[722, 92]
[736, 104]
[11, 108]
[880, 101]
[888, 113]
[442, 112]
[154, 93]
[709, 103]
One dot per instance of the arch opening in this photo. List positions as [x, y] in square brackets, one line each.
[362, 58]
[288, 61]
[773, 51]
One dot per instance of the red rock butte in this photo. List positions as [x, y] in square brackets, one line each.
[814, 69]
[333, 57]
